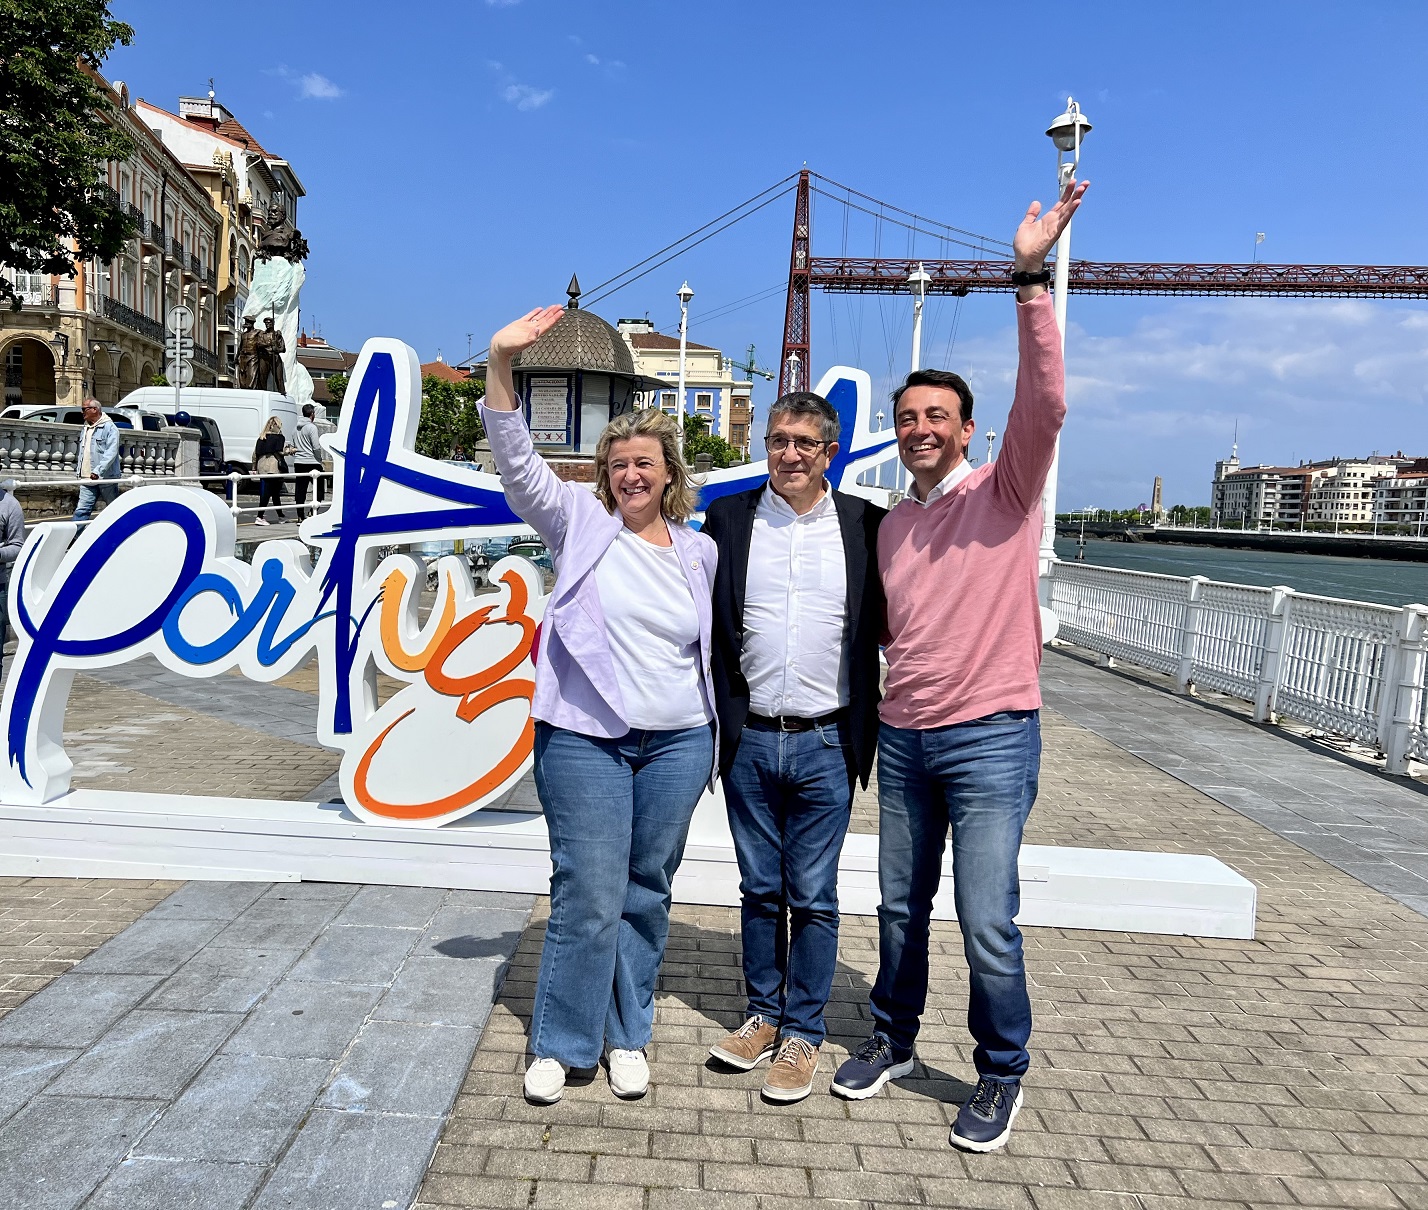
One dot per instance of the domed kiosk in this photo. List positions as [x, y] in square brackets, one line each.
[572, 382]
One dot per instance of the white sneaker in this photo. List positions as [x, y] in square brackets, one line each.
[545, 1081]
[260, 521]
[629, 1073]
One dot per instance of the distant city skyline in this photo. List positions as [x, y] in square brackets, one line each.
[462, 163]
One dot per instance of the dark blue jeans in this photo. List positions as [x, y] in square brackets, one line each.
[618, 812]
[789, 797]
[979, 780]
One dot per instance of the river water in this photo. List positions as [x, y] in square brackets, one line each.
[1379, 580]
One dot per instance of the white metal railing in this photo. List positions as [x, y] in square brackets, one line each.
[232, 484]
[38, 447]
[1347, 667]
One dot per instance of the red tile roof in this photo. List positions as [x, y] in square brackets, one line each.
[445, 372]
[653, 340]
[233, 129]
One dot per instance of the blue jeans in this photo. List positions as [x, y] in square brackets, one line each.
[980, 779]
[91, 491]
[789, 797]
[618, 811]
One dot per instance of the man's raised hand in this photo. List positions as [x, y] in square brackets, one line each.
[1037, 235]
[524, 332]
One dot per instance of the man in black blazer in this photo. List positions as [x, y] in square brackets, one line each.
[798, 614]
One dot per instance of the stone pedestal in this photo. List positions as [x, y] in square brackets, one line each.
[274, 292]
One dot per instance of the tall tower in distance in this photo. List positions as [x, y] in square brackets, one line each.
[1157, 503]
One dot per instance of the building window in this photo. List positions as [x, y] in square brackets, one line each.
[704, 401]
[14, 374]
[666, 402]
[739, 435]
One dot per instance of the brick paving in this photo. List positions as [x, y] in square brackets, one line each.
[47, 925]
[1167, 1071]
[1290, 1070]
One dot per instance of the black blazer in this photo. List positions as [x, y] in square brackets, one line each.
[730, 522]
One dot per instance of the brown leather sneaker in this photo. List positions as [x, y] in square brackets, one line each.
[747, 1046]
[791, 1074]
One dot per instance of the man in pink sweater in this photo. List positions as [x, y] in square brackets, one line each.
[960, 742]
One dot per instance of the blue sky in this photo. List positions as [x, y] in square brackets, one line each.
[462, 159]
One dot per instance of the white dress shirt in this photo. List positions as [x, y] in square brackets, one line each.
[654, 634]
[954, 477]
[795, 610]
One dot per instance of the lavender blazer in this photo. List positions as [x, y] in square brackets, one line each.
[575, 673]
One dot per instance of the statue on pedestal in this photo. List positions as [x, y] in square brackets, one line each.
[248, 356]
[280, 237]
[278, 276]
[270, 348]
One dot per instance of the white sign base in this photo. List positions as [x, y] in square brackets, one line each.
[120, 834]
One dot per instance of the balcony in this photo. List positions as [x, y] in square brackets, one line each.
[206, 358]
[212, 278]
[176, 250]
[127, 317]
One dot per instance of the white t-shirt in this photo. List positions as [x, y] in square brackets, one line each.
[654, 634]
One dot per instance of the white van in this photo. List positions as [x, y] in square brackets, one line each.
[240, 415]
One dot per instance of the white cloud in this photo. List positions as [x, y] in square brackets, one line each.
[310, 85]
[1303, 379]
[593, 59]
[317, 87]
[524, 97]
[501, 3]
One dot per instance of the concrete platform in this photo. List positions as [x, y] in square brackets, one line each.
[116, 834]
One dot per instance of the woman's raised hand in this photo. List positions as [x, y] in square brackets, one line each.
[525, 331]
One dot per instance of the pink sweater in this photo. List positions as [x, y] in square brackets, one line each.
[960, 573]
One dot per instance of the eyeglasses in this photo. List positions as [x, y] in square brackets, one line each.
[804, 445]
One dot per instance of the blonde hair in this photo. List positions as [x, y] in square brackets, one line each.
[680, 497]
[274, 425]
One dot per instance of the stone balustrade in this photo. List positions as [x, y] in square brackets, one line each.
[39, 450]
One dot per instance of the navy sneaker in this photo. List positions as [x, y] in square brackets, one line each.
[871, 1066]
[984, 1123]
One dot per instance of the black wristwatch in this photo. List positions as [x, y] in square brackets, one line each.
[1020, 277]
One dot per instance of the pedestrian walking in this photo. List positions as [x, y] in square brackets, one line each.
[625, 738]
[269, 460]
[97, 463]
[307, 459]
[798, 611]
[960, 745]
[12, 538]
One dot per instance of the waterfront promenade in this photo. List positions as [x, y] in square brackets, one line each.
[308, 1045]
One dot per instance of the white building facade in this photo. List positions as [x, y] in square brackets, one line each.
[710, 388]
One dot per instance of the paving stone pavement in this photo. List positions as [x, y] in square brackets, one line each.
[252, 1045]
[1368, 824]
[48, 925]
[1168, 1072]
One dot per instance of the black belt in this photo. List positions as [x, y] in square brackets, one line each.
[760, 722]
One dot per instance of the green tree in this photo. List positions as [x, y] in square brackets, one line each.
[336, 389]
[158, 380]
[60, 129]
[699, 440]
[450, 417]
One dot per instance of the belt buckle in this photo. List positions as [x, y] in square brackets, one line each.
[783, 721]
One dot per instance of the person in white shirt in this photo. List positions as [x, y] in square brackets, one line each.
[798, 611]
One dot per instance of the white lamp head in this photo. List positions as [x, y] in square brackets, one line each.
[685, 294]
[1070, 129]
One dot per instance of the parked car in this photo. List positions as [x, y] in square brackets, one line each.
[62, 415]
[210, 442]
[239, 415]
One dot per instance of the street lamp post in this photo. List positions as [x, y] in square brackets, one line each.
[793, 368]
[991, 436]
[917, 283]
[1067, 132]
[685, 294]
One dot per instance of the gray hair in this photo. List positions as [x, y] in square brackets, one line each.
[805, 403]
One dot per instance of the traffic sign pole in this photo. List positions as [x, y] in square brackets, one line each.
[178, 348]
